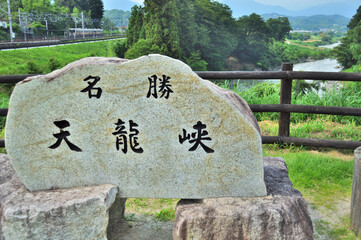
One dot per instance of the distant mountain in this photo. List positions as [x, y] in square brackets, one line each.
[246, 7]
[119, 17]
[315, 23]
[329, 9]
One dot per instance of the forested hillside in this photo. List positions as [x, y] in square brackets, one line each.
[118, 17]
[315, 23]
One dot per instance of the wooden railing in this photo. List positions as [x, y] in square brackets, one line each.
[284, 108]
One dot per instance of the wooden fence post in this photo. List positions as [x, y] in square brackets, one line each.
[286, 95]
[356, 194]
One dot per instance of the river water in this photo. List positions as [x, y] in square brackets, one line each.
[325, 65]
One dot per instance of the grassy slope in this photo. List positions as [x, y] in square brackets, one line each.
[15, 61]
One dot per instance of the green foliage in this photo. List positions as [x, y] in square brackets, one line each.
[348, 53]
[301, 87]
[120, 48]
[314, 23]
[218, 33]
[303, 36]
[349, 95]
[165, 214]
[196, 63]
[161, 27]
[141, 48]
[135, 28]
[355, 21]
[54, 64]
[253, 38]
[280, 28]
[33, 68]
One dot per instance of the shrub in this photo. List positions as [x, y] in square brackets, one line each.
[33, 68]
[53, 64]
[141, 48]
[120, 48]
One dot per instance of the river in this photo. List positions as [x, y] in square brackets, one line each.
[325, 65]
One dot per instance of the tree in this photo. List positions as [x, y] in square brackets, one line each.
[254, 37]
[216, 28]
[355, 21]
[161, 27]
[279, 28]
[135, 26]
[140, 48]
[348, 53]
[96, 8]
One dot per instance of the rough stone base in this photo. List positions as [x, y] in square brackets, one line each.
[78, 213]
[282, 214]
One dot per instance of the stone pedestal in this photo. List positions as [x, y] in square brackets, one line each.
[356, 194]
[77, 213]
[282, 214]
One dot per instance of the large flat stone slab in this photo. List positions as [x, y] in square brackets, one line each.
[149, 125]
[93, 212]
[282, 214]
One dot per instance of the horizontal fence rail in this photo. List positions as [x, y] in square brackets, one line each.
[45, 43]
[310, 142]
[345, 111]
[289, 75]
[286, 77]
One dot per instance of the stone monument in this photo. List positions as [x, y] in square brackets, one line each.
[84, 138]
[150, 126]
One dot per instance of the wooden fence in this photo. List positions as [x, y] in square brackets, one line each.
[287, 75]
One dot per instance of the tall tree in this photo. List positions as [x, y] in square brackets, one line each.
[279, 28]
[355, 21]
[253, 38]
[216, 27]
[161, 27]
[348, 53]
[135, 26]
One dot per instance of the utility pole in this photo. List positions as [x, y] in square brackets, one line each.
[10, 23]
[82, 23]
[47, 29]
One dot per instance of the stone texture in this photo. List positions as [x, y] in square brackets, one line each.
[166, 168]
[282, 214]
[356, 194]
[77, 213]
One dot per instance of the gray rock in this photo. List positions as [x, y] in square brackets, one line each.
[77, 213]
[356, 194]
[175, 133]
[282, 214]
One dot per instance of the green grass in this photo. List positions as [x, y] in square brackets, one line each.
[325, 181]
[15, 61]
[321, 176]
[161, 209]
[348, 95]
[317, 128]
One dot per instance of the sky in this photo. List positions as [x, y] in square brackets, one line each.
[292, 5]
[302, 4]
